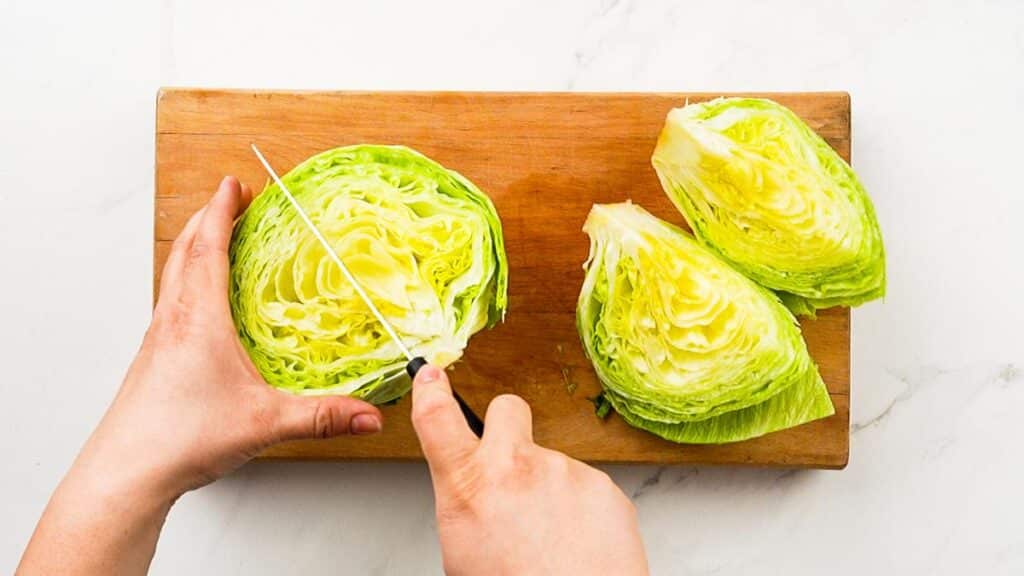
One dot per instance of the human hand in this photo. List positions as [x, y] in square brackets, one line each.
[193, 407]
[508, 506]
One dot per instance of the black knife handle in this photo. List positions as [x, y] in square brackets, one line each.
[414, 365]
[474, 421]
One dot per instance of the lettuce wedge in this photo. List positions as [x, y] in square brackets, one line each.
[685, 346]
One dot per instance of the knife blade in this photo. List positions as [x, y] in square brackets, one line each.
[414, 363]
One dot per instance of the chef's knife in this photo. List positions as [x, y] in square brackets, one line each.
[415, 363]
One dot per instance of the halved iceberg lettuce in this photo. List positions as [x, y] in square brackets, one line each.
[768, 195]
[424, 242]
[684, 345]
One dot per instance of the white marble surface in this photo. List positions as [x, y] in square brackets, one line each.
[935, 476]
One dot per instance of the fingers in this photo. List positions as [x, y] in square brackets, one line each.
[205, 276]
[301, 417]
[444, 435]
[246, 198]
[509, 422]
[170, 280]
[214, 232]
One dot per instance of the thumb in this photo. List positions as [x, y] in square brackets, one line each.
[301, 417]
[444, 435]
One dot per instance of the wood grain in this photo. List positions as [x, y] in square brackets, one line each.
[543, 158]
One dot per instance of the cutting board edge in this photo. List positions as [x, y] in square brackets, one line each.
[167, 95]
[171, 90]
[836, 464]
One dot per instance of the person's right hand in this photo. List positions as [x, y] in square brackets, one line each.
[508, 506]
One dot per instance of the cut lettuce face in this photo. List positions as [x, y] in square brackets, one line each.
[423, 241]
[768, 195]
[685, 346]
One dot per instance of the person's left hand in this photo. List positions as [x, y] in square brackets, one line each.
[193, 407]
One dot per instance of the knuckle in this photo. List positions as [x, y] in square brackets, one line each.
[197, 252]
[509, 403]
[558, 464]
[202, 250]
[517, 468]
[521, 459]
[323, 420]
[428, 407]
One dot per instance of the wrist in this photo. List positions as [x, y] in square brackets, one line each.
[101, 516]
[116, 471]
[120, 489]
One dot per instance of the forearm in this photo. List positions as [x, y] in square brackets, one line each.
[98, 521]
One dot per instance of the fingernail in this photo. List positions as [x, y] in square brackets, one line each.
[363, 424]
[227, 182]
[428, 373]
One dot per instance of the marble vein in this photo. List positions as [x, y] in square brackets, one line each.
[648, 483]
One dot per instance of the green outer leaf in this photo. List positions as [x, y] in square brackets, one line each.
[803, 402]
[751, 376]
[287, 304]
[737, 168]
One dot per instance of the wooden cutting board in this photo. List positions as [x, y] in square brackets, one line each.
[543, 158]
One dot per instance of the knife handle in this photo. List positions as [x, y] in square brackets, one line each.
[474, 421]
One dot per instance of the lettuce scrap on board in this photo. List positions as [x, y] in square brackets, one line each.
[425, 243]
